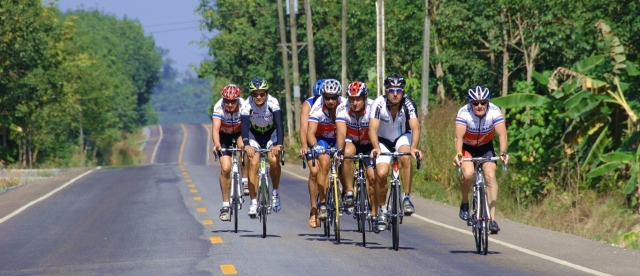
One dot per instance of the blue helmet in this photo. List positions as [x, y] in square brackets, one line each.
[317, 88]
[478, 93]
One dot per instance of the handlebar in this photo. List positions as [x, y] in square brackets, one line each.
[398, 154]
[482, 159]
[358, 156]
[219, 152]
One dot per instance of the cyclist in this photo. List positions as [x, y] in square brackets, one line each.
[312, 182]
[393, 125]
[225, 128]
[321, 134]
[476, 124]
[352, 133]
[262, 128]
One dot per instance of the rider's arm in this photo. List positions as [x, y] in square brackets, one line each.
[215, 131]
[501, 130]
[373, 132]
[304, 122]
[246, 123]
[277, 116]
[341, 134]
[311, 133]
[460, 130]
[414, 123]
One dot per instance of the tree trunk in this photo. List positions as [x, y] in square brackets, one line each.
[344, 48]
[439, 74]
[505, 58]
[4, 136]
[424, 97]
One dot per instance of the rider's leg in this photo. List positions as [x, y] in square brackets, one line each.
[225, 178]
[323, 178]
[466, 180]
[380, 187]
[312, 182]
[405, 169]
[243, 167]
[274, 168]
[348, 167]
[254, 165]
[489, 169]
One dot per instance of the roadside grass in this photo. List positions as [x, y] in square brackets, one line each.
[127, 151]
[586, 213]
[9, 179]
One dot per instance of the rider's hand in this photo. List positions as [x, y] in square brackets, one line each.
[505, 158]
[275, 150]
[414, 151]
[303, 152]
[216, 148]
[338, 155]
[374, 153]
[457, 160]
[249, 150]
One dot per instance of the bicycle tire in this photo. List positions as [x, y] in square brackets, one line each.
[395, 223]
[362, 211]
[263, 207]
[236, 202]
[475, 226]
[485, 223]
[330, 205]
[336, 225]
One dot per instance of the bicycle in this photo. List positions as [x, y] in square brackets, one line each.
[236, 181]
[480, 219]
[361, 204]
[394, 202]
[264, 204]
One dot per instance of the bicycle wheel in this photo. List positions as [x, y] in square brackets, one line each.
[395, 223]
[263, 206]
[336, 222]
[362, 210]
[236, 202]
[484, 238]
[475, 225]
[330, 205]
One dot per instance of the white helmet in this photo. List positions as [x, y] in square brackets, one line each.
[479, 93]
[331, 87]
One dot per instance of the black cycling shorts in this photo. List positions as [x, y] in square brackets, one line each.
[485, 150]
[364, 149]
[227, 141]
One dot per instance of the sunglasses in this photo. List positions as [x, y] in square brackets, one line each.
[258, 95]
[230, 102]
[395, 90]
[334, 98]
[483, 103]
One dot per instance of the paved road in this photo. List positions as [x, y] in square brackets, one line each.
[162, 219]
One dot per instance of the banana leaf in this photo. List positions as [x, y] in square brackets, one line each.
[617, 156]
[597, 148]
[520, 100]
[603, 169]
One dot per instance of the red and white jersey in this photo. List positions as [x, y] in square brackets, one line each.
[480, 131]
[357, 128]
[230, 121]
[320, 114]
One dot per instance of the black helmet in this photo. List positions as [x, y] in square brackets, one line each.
[394, 79]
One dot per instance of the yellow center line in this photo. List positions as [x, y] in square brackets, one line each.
[184, 140]
[207, 222]
[188, 180]
[228, 269]
[194, 191]
[215, 240]
[191, 186]
[197, 198]
[201, 210]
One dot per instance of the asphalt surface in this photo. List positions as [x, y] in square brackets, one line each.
[162, 219]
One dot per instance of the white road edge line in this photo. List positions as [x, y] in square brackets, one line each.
[208, 142]
[515, 247]
[155, 149]
[45, 196]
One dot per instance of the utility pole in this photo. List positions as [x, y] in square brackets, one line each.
[424, 102]
[380, 46]
[344, 48]
[310, 48]
[285, 65]
[294, 61]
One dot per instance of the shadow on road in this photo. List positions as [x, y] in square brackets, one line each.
[260, 236]
[472, 252]
[231, 231]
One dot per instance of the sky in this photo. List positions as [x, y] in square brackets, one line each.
[172, 23]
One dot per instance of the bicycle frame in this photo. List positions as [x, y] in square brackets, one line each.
[234, 188]
[264, 205]
[361, 203]
[333, 185]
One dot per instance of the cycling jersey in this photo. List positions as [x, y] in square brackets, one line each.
[389, 128]
[262, 121]
[320, 114]
[230, 121]
[357, 128]
[480, 131]
[311, 100]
